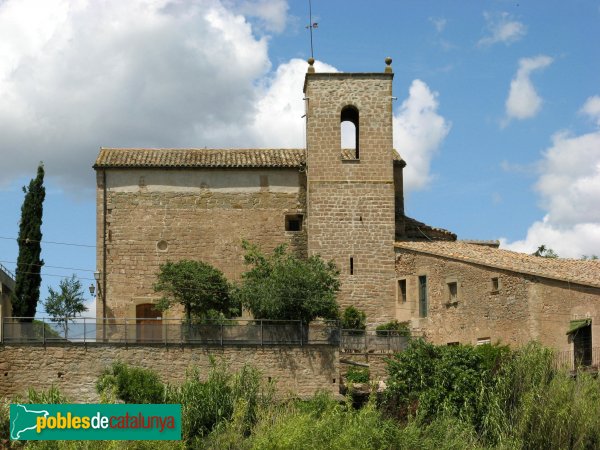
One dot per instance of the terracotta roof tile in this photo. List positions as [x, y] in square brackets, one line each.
[195, 157]
[419, 230]
[571, 270]
[202, 157]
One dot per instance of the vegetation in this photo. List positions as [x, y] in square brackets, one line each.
[545, 252]
[393, 328]
[130, 384]
[66, 303]
[282, 286]
[439, 397]
[29, 262]
[199, 287]
[358, 374]
[354, 319]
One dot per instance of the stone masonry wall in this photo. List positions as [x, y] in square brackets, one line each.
[351, 202]
[74, 369]
[524, 308]
[155, 216]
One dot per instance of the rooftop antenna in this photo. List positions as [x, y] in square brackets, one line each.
[310, 27]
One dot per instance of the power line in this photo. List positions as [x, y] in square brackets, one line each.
[47, 242]
[52, 267]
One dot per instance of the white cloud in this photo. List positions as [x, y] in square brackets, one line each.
[272, 14]
[569, 189]
[278, 121]
[523, 101]
[592, 108]
[503, 28]
[418, 133]
[77, 75]
[439, 23]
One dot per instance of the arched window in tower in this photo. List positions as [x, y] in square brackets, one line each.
[349, 129]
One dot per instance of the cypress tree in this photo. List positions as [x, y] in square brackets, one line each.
[29, 264]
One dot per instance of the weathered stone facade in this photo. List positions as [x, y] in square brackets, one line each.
[152, 216]
[491, 302]
[347, 205]
[74, 369]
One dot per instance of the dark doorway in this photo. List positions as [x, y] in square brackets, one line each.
[582, 346]
[148, 323]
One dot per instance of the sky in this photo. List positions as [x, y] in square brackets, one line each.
[497, 113]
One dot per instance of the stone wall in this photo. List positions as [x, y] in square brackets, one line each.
[154, 216]
[523, 308]
[74, 369]
[351, 201]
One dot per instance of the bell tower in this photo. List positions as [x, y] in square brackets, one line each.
[350, 191]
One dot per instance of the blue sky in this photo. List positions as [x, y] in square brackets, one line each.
[497, 117]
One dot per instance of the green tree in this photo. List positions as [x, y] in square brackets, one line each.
[201, 288]
[282, 286]
[545, 252]
[354, 319]
[29, 263]
[66, 303]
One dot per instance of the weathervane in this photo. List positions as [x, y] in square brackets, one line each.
[310, 27]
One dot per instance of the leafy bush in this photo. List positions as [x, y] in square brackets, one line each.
[393, 328]
[282, 286]
[354, 319]
[206, 405]
[428, 381]
[358, 374]
[131, 384]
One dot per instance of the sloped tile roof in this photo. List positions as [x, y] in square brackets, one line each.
[571, 270]
[196, 157]
[419, 230]
[202, 157]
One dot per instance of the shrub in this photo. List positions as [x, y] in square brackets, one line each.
[282, 286]
[131, 384]
[393, 328]
[354, 319]
[358, 374]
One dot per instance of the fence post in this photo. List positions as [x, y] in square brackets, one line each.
[261, 333]
[366, 342]
[301, 334]
[222, 329]
[126, 331]
[84, 332]
[43, 330]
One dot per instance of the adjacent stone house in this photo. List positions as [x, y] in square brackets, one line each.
[463, 292]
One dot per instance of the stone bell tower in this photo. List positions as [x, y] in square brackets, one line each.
[350, 191]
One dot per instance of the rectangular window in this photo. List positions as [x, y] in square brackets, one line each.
[423, 296]
[483, 341]
[293, 222]
[495, 284]
[453, 292]
[402, 291]
[453, 344]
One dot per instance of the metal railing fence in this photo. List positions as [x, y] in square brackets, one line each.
[167, 331]
[208, 332]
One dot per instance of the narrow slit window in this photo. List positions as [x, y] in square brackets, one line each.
[423, 306]
[495, 284]
[402, 291]
[452, 292]
[351, 265]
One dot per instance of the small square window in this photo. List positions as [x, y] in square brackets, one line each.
[453, 344]
[293, 222]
